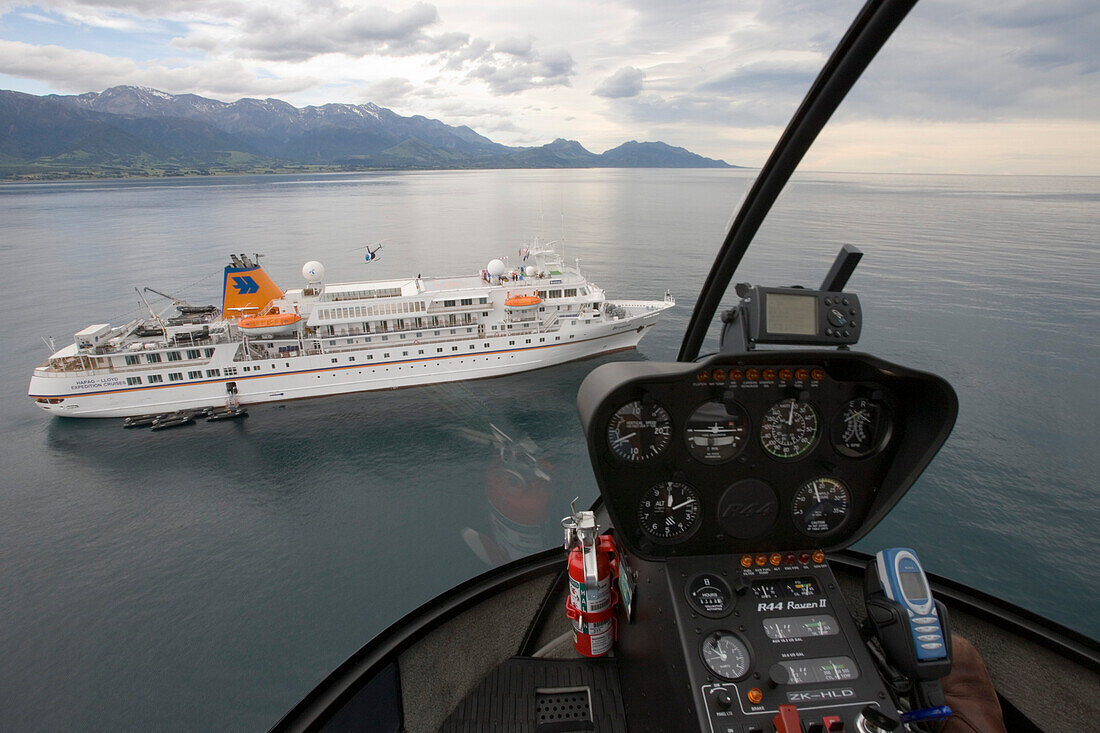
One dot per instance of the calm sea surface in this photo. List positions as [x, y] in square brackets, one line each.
[206, 578]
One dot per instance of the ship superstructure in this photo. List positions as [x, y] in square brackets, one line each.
[267, 345]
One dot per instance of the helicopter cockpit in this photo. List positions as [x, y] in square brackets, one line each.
[727, 480]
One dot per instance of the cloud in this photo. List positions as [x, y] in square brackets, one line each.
[281, 33]
[473, 50]
[511, 74]
[520, 47]
[626, 82]
[80, 71]
[388, 92]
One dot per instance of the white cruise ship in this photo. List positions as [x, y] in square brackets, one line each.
[267, 345]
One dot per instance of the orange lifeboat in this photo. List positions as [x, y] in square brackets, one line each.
[523, 301]
[274, 324]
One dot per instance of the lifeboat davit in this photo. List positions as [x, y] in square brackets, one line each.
[275, 324]
[523, 301]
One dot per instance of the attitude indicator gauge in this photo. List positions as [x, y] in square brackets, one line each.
[860, 428]
[669, 512]
[715, 432]
[789, 429]
[820, 506]
[639, 431]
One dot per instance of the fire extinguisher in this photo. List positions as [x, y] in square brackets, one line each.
[593, 566]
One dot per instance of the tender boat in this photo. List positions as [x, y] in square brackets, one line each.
[722, 595]
[269, 345]
[173, 421]
[274, 324]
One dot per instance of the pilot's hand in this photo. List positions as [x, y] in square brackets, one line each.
[970, 693]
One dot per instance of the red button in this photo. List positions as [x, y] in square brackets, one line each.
[769, 374]
[752, 374]
[802, 374]
[786, 375]
[719, 375]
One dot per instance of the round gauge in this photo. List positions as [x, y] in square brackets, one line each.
[789, 429]
[820, 506]
[715, 432]
[669, 512]
[710, 596]
[726, 655]
[860, 429]
[638, 431]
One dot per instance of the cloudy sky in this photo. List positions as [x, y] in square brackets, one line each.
[983, 86]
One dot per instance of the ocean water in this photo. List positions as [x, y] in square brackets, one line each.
[206, 578]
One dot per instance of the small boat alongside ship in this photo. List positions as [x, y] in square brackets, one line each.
[265, 344]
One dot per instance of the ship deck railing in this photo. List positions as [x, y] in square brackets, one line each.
[314, 345]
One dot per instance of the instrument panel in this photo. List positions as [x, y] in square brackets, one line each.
[779, 449]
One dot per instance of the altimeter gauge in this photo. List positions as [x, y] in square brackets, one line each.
[820, 506]
[789, 429]
[669, 512]
[716, 433]
[861, 428]
[638, 431]
[726, 655]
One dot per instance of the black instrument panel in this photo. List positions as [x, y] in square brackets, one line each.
[767, 450]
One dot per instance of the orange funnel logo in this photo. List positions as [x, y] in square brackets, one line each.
[247, 291]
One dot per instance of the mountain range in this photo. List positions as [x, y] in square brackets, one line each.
[127, 130]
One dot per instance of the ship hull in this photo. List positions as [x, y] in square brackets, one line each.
[341, 372]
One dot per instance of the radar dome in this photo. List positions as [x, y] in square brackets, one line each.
[496, 268]
[313, 271]
[529, 271]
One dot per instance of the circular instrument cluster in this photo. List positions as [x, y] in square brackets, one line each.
[686, 458]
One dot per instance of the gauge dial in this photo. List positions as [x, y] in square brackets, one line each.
[726, 655]
[861, 428]
[796, 627]
[639, 431]
[821, 506]
[789, 429]
[831, 669]
[715, 432]
[669, 512]
[710, 595]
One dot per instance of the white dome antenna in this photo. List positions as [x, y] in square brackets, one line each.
[313, 272]
[496, 268]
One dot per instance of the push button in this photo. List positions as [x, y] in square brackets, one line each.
[927, 629]
[923, 619]
[930, 647]
[930, 637]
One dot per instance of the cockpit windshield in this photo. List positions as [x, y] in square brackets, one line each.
[266, 549]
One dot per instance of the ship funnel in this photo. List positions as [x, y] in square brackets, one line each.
[247, 289]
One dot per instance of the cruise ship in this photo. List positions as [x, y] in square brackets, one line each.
[269, 345]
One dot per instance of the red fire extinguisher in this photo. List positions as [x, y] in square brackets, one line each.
[593, 566]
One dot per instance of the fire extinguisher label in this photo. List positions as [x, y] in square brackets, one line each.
[599, 636]
[590, 600]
